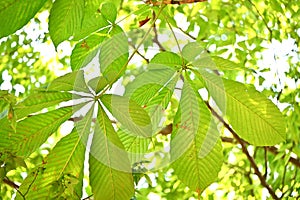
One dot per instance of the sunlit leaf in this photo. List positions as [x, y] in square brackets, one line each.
[64, 163]
[109, 11]
[92, 20]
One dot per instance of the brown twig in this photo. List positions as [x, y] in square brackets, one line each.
[186, 33]
[10, 183]
[13, 185]
[155, 39]
[139, 53]
[270, 149]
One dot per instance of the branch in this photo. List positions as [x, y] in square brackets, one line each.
[186, 33]
[245, 151]
[13, 185]
[155, 39]
[139, 53]
[10, 183]
[271, 149]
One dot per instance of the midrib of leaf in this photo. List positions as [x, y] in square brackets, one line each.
[240, 103]
[107, 151]
[195, 138]
[76, 145]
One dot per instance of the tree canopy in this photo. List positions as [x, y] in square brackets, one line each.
[153, 99]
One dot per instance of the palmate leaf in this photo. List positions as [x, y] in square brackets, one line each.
[61, 173]
[65, 19]
[14, 14]
[39, 101]
[152, 90]
[254, 117]
[195, 144]
[110, 171]
[33, 131]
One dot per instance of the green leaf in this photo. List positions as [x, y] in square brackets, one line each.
[92, 21]
[159, 82]
[254, 117]
[65, 19]
[2, 174]
[86, 50]
[14, 14]
[195, 144]
[168, 59]
[73, 81]
[113, 55]
[37, 102]
[132, 116]
[33, 131]
[109, 11]
[62, 167]
[276, 6]
[110, 171]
